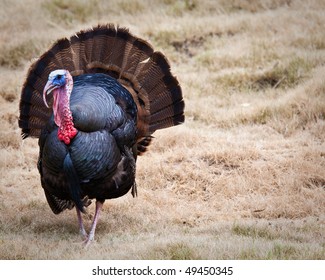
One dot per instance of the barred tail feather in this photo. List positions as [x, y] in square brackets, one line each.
[116, 52]
[56, 204]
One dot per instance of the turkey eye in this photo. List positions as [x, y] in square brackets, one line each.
[59, 77]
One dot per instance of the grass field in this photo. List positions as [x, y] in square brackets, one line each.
[243, 178]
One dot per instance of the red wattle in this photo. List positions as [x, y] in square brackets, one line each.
[62, 113]
[67, 133]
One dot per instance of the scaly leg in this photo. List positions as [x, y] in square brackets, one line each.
[81, 225]
[91, 235]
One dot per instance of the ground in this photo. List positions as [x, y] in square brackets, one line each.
[242, 178]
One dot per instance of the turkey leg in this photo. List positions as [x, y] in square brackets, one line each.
[91, 235]
[81, 225]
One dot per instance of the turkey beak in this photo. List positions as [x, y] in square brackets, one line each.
[49, 87]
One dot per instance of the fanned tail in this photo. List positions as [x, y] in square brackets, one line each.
[116, 52]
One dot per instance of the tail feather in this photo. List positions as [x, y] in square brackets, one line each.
[116, 52]
[56, 204]
[166, 122]
[60, 54]
[176, 120]
[139, 51]
[166, 92]
[167, 112]
[121, 40]
[143, 144]
[79, 53]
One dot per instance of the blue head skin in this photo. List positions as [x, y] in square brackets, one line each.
[57, 79]
[60, 82]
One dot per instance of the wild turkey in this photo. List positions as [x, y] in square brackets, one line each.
[109, 91]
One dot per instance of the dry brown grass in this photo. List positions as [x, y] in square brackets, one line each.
[243, 178]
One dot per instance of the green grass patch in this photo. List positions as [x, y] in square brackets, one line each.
[261, 116]
[131, 6]
[286, 76]
[71, 10]
[14, 56]
[254, 232]
[282, 252]
[261, 55]
[280, 76]
[250, 6]
[164, 38]
[173, 251]
[178, 8]
[249, 254]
